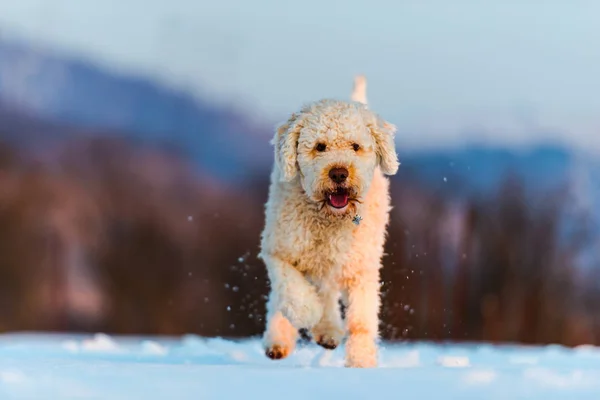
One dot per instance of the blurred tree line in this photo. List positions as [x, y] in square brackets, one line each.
[108, 235]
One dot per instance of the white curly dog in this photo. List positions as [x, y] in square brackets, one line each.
[325, 228]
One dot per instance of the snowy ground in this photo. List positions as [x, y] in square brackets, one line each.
[102, 367]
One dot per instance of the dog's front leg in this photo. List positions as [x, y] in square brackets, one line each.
[280, 336]
[362, 319]
[293, 304]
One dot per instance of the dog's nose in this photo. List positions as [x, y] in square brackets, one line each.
[338, 175]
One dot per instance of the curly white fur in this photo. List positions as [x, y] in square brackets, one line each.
[313, 252]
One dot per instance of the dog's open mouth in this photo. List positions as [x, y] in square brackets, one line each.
[339, 198]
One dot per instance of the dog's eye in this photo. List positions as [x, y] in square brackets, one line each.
[321, 147]
[356, 147]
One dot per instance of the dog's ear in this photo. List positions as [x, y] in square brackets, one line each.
[384, 133]
[285, 143]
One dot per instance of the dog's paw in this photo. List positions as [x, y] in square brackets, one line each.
[361, 351]
[328, 335]
[361, 363]
[305, 335]
[328, 342]
[277, 352]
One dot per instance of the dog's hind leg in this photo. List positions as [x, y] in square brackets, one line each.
[329, 332]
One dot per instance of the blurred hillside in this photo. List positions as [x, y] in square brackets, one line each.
[68, 91]
[132, 208]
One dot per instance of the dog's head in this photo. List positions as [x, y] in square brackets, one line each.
[333, 148]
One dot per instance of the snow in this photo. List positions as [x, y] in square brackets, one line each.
[44, 366]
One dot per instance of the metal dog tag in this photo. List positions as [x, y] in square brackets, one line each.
[356, 220]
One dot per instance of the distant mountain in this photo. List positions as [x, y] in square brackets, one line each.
[64, 90]
[46, 93]
[477, 169]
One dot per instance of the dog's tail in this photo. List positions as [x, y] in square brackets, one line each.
[359, 92]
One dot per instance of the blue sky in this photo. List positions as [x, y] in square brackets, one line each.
[438, 66]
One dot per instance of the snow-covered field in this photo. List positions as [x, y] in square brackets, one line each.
[103, 367]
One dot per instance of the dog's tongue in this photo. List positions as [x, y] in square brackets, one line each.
[339, 200]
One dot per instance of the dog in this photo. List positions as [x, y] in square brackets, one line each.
[325, 227]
